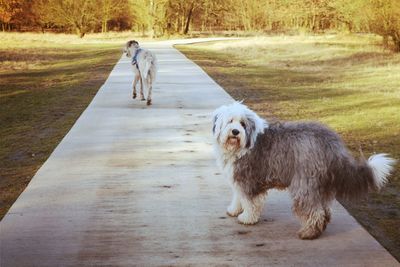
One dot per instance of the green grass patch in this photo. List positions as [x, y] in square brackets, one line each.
[347, 82]
[46, 82]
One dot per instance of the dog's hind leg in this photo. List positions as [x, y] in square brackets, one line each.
[141, 89]
[328, 216]
[314, 225]
[313, 216]
[326, 204]
[150, 89]
[252, 208]
[134, 86]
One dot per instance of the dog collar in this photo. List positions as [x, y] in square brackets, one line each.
[134, 59]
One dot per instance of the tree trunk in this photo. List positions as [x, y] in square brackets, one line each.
[350, 26]
[313, 23]
[397, 46]
[396, 42]
[143, 30]
[189, 17]
[188, 20]
[177, 22]
[104, 25]
[80, 32]
[182, 23]
[385, 41]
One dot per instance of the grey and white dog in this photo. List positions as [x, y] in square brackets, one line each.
[144, 66]
[307, 158]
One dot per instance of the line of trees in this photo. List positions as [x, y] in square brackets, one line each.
[166, 17]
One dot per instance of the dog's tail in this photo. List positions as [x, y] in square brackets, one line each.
[356, 179]
[381, 166]
[149, 64]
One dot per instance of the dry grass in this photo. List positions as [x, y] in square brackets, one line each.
[46, 81]
[27, 39]
[347, 82]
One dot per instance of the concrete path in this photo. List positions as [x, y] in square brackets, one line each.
[137, 185]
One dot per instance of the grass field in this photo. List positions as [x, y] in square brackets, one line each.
[46, 81]
[349, 83]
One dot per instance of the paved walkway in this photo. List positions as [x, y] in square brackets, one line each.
[133, 185]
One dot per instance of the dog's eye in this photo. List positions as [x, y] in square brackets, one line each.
[231, 121]
[243, 124]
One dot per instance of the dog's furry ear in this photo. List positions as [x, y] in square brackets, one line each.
[132, 43]
[250, 129]
[135, 43]
[217, 121]
[254, 126]
[215, 118]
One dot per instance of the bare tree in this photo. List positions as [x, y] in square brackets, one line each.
[81, 15]
[109, 9]
[384, 19]
[8, 8]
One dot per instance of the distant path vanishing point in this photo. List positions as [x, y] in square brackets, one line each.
[137, 185]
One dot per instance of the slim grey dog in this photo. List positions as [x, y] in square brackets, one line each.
[144, 66]
[307, 158]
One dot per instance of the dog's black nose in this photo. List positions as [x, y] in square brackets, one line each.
[235, 132]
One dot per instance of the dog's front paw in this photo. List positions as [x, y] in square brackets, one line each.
[148, 102]
[246, 218]
[233, 211]
[134, 95]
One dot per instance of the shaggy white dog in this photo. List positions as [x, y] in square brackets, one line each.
[307, 158]
[144, 66]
